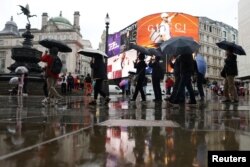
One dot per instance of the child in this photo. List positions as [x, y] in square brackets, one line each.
[20, 85]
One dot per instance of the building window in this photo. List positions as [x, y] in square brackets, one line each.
[224, 34]
[210, 28]
[205, 27]
[2, 61]
[234, 38]
[1, 42]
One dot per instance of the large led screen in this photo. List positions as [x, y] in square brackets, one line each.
[119, 65]
[150, 31]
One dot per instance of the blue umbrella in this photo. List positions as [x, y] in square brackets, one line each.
[201, 64]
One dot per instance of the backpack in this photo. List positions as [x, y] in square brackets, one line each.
[56, 65]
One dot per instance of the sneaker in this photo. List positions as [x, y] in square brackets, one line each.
[93, 103]
[226, 101]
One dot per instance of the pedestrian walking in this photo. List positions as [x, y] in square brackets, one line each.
[186, 73]
[70, 83]
[229, 71]
[140, 66]
[157, 76]
[99, 74]
[51, 77]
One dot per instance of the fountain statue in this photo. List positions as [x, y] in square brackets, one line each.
[26, 55]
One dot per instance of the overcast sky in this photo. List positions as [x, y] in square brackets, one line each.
[122, 12]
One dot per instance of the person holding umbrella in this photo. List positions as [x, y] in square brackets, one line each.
[140, 66]
[51, 77]
[229, 71]
[99, 74]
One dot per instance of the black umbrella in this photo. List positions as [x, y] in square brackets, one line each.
[139, 48]
[50, 43]
[92, 53]
[179, 45]
[237, 49]
[153, 51]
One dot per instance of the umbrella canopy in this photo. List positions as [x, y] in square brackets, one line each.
[50, 43]
[21, 70]
[139, 48]
[179, 45]
[201, 64]
[237, 49]
[157, 52]
[92, 52]
[13, 80]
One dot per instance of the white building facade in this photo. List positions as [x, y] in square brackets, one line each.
[244, 39]
[58, 28]
[211, 32]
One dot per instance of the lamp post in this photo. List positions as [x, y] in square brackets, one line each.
[106, 84]
[107, 21]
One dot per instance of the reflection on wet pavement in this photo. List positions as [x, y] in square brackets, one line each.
[73, 133]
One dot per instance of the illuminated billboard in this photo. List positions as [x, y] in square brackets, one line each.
[151, 31]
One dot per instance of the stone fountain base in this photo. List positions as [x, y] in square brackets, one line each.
[34, 87]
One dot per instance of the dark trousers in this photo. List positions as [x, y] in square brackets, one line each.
[175, 90]
[185, 81]
[63, 88]
[157, 88]
[70, 87]
[98, 88]
[200, 78]
[139, 87]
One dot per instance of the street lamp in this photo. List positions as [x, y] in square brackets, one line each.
[107, 21]
[106, 84]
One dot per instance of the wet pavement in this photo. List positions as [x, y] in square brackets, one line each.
[122, 133]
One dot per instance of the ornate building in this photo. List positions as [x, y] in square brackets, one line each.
[58, 28]
[211, 32]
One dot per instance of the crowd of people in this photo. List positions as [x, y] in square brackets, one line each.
[188, 68]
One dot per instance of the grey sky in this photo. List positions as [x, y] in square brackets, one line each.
[122, 12]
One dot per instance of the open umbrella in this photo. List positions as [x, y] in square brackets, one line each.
[237, 49]
[123, 82]
[201, 64]
[92, 52]
[139, 48]
[13, 80]
[155, 51]
[50, 43]
[179, 45]
[21, 70]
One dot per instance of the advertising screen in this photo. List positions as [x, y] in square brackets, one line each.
[128, 35]
[114, 41]
[148, 32]
[157, 28]
[119, 65]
